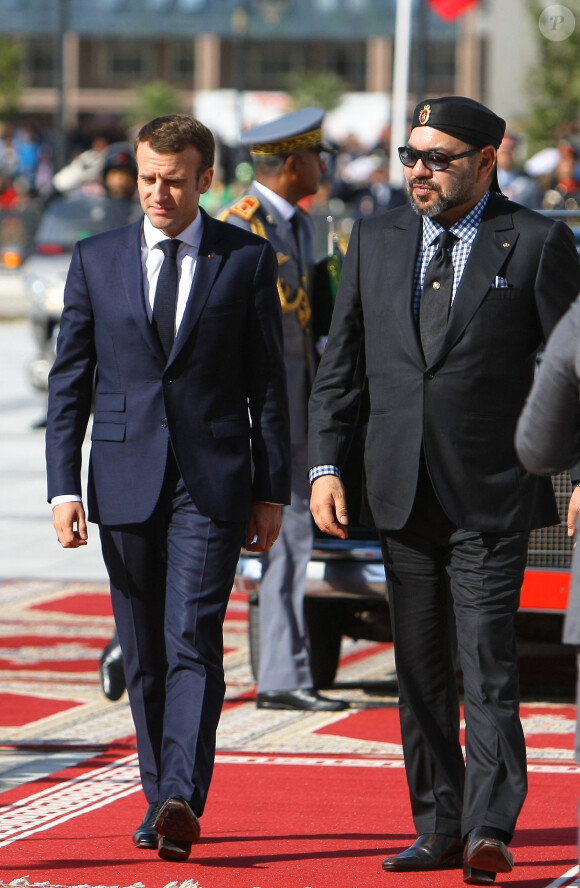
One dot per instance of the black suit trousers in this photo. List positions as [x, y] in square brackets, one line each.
[457, 591]
[171, 578]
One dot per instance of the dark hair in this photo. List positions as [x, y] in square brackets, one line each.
[174, 133]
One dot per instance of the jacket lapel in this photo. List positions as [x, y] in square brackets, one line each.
[209, 262]
[496, 238]
[402, 241]
[131, 273]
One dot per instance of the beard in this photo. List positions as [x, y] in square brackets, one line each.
[459, 192]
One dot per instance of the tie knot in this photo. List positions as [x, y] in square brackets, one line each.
[170, 247]
[446, 240]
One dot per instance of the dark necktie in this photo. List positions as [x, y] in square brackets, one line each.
[295, 223]
[436, 297]
[166, 295]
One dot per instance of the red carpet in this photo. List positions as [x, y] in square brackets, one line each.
[297, 801]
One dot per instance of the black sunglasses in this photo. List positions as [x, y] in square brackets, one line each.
[435, 161]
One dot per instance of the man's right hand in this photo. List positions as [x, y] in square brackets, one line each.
[70, 525]
[328, 505]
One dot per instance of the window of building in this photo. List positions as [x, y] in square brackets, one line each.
[39, 63]
[182, 59]
[127, 60]
[257, 65]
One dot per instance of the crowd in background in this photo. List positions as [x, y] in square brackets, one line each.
[356, 185]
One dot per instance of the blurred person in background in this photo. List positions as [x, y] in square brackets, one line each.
[288, 159]
[513, 180]
[548, 442]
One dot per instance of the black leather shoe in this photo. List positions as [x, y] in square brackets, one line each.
[430, 851]
[111, 670]
[146, 836]
[178, 828]
[305, 699]
[484, 856]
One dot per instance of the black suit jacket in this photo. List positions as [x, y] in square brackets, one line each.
[220, 397]
[463, 408]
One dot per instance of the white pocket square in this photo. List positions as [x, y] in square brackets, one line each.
[500, 283]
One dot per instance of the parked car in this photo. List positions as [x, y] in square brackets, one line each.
[65, 221]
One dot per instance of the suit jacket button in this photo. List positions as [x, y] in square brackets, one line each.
[430, 375]
[163, 423]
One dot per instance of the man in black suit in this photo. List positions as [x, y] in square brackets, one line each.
[447, 349]
[176, 321]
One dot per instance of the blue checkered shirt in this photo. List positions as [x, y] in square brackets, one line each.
[465, 231]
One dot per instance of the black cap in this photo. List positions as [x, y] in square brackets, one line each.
[462, 118]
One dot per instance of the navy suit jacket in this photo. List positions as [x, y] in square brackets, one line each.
[220, 397]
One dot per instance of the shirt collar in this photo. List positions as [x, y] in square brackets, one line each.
[191, 235]
[464, 229]
[284, 207]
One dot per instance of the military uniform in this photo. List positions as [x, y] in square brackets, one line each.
[284, 647]
[284, 656]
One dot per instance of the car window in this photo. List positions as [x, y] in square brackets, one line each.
[67, 220]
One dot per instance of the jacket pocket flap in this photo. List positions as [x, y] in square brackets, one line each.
[108, 431]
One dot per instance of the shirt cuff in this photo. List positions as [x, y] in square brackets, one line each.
[317, 472]
[65, 498]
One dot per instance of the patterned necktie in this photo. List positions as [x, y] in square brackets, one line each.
[166, 295]
[436, 297]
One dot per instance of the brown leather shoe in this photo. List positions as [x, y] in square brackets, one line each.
[178, 828]
[430, 851]
[484, 856]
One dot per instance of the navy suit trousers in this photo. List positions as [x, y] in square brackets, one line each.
[171, 578]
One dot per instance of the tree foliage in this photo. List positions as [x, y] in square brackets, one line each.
[554, 85]
[154, 99]
[322, 89]
[10, 88]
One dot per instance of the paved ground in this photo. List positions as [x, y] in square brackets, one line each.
[28, 546]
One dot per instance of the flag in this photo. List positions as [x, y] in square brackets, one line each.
[450, 9]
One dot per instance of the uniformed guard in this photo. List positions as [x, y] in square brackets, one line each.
[288, 159]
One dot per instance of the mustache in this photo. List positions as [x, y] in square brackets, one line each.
[418, 180]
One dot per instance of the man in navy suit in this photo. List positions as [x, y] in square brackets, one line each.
[190, 452]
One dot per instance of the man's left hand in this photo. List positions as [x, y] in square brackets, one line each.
[263, 527]
[573, 510]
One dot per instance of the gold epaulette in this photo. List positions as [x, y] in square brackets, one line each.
[245, 207]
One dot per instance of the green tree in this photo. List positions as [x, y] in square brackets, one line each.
[554, 85]
[152, 100]
[10, 87]
[322, 89]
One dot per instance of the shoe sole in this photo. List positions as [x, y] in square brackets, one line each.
[177, 821]
[489, 858]
[288, 707]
